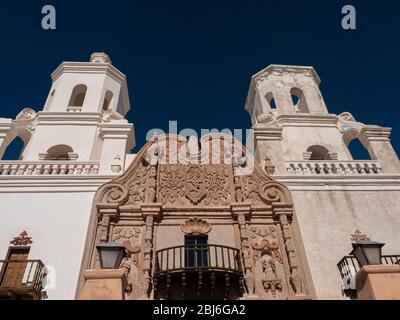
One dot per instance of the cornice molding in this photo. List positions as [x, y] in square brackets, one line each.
[50, 184]
[88, 68]
[44, 117]
[383, 182]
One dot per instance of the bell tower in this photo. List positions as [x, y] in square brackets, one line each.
[306, 148]
[82, 119]
[291, 123]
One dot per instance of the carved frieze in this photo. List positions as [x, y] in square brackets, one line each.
[172, 183]
[250, 189]
[137, 185]
[194, 185]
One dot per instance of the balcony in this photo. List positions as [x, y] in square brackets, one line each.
[21, 279]
[198, 272]
[348, 268]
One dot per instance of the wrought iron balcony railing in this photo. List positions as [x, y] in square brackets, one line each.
[21, 278]
[198, 257]
[348, 268]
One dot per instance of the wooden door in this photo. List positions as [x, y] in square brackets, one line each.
[15, 268]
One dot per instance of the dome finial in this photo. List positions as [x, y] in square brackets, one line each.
[99, 57]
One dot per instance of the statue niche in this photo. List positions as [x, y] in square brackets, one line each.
[267, 262]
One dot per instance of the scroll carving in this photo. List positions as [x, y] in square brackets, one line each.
[115, 193]
[271, 192]
[27, 114]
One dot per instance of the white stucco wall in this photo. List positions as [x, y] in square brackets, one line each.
[293, 146]
[328, 218]
[57, 223]
[79, 137]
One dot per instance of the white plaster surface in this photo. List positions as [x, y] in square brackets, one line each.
[57, 223]
[328, 218]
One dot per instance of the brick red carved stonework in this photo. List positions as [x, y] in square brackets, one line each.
[22, 240]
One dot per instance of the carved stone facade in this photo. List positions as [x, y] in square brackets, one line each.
[155, 204]
[251, 231]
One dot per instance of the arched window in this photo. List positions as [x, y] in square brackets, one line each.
[299, 100]
[270, 99]
[59, 152]
[318, 153]
[107, 100]
[78, 96]
[14, 149]
[358, 151]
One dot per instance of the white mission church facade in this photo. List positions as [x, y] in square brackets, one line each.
[280, 229]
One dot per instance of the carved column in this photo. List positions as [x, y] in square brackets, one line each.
[106, 213]
[151, 184]
[283, 213]
[149, 212]
[239, 211]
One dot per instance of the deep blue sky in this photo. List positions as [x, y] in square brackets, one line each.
[192, 61]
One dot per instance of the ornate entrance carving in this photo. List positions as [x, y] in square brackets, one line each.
[158, 193]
